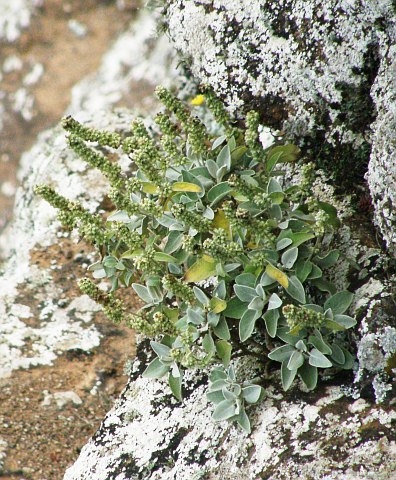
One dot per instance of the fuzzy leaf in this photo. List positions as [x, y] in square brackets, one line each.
[186, 187]
[309, 375]
[224, 410]
[164, 257]
[277, 275]
[271, 322]
[156, 369]
[243, 421]
[222, 330]
[289, 257]
[235, 308]
[247, 324]
[339, 302]
[317, 359]
[218, 192]
[245, 294]
[175, 384]
[282, 354]
[142, 292]
[201, 270]
[252, 393]
[224, 350]
[287, 376]
[217, 305]
[296, 289]
[295, 361]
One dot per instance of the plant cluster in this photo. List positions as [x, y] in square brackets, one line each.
[226, 255]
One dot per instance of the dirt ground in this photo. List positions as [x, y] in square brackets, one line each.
[66, 59]
[43, 440]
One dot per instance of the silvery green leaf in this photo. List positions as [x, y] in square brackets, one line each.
[231, 266]
[244, 293]
[175, 384]
[231, 373]
[329, 314]
[156, 369]
[252, 393]
[220, 291]
[287, 376]
[213, 319]
[273, 186]
[274, 302]
[246, 279]
[345, 320]
[349, 359]
[266, 280]
[281, 354]
[208, 213]
[228, 395]
[222, 330]
[300, 345]
[296, 290]
[243, 421]
[99, 273]
[271, 322]
[224, 158]
[256, 304]
[163, 351]
[220, 173]
[316, 272]
[195, 317]
[275, 212]
[218, 192]
[247, 324]
[218, 384]
[260, 291]
[218, 373]
[337, 354]
[224, 410]
[315, 308]
[289, 257]
[318, 342]
[215, 396]
[303, 269]
[317, 359]
[296, 360]
[212, 167]
[224, 350]
[155, 293]
[119, 216]
[208, 344]
[174, 242]
[200, 296]
[232, 143]
[309, 375]
[142, 292]
[328, 260]
[219, 141]
[235, 308]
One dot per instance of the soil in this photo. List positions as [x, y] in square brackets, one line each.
[66, 59]
[42, 440]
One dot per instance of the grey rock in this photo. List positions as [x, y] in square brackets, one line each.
[322, 71]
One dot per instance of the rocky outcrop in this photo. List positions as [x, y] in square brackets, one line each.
[322, 71]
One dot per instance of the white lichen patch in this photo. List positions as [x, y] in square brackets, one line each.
[148, 435]
[15, 16]
[328, 66]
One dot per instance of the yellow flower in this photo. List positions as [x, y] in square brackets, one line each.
[197, 100]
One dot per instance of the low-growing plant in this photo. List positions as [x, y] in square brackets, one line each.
[227, 256]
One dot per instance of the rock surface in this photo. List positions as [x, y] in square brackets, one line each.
[320, 70]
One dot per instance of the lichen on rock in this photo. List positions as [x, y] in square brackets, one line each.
[321, 71]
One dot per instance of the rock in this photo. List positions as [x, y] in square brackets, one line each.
[148, 435]
[60, 399]
[321, 71]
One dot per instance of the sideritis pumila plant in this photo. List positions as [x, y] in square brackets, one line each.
[227, 256]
